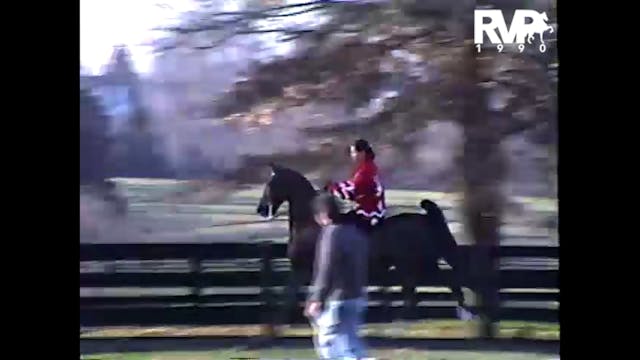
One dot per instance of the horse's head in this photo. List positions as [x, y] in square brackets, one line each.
[544, 16]
[286, 185]
[274, 194]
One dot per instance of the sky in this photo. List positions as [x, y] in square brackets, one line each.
[107, 23]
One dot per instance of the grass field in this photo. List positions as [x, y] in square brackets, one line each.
[170, 211]
[432, 329]
[395, 354]
[157, 215]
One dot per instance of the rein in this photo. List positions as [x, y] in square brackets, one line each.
[247, 222]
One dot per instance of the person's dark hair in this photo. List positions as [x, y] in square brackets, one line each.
[325, 202]
[363, 145]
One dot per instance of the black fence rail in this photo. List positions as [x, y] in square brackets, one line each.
[224, 293]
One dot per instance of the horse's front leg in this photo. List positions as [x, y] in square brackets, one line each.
[410, 300]
[458, 273]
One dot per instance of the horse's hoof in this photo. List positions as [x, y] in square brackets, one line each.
[464, 314]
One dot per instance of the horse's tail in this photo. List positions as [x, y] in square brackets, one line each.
[432, 210]
[425, 203]
[438, 226]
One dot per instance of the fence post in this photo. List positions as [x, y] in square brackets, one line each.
[486, 287]
[195, 265]
[266, 293]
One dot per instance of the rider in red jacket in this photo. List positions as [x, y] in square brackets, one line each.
[364, 187]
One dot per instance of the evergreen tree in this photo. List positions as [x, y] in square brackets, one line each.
[94, 142]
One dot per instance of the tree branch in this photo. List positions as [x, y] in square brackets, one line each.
[254, 15]
[286, 31]
[249, 15]
[294, 35]
[322, 3]
[221, 25]
[315, 8]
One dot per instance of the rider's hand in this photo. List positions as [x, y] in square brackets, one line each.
[312, 309]
[328, 185]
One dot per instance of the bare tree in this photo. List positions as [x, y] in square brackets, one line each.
[395, 66]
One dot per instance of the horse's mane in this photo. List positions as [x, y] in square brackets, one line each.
[302, 192]
[296, 176]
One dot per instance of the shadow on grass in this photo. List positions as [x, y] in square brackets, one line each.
[143, 345]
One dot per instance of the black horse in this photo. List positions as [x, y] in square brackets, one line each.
[412, 243]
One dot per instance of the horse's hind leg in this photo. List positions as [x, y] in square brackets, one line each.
[457, 274]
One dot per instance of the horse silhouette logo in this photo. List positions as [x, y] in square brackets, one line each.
[524, 25]
[539, 26]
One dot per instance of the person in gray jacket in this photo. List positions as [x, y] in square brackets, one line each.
[338, 298]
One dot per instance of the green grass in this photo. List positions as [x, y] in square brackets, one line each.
[427, 329]
[148, 189]
[396, 354]
[154, 217]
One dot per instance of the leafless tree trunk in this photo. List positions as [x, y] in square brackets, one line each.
[483, 171]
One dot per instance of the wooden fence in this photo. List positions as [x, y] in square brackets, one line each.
[233, 283]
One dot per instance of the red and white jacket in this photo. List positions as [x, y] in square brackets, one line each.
[365, 189]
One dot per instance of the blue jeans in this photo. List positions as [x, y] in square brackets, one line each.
[336, 330]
